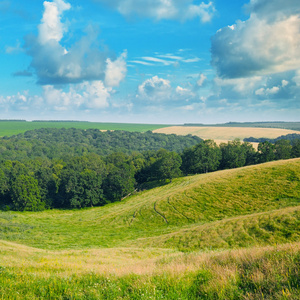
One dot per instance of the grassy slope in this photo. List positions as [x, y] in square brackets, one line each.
[248, 197]
[132, 249]
[9, 128]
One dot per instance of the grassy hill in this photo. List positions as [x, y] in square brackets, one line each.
[226, 235]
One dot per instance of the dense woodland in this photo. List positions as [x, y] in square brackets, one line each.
[73, 168]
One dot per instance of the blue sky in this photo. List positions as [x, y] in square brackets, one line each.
[150, 61]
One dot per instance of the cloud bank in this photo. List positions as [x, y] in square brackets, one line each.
[181, 10]
[268, 42]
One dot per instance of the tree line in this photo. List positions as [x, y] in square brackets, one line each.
[87, 179]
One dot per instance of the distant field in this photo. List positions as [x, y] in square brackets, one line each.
[9, 128]
[224, 134]
[281, 125]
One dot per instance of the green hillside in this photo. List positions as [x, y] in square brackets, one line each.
[185, 203]
[232, 234]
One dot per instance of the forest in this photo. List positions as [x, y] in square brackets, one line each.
[74, 168]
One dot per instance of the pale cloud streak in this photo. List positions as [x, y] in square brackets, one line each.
[181, 10]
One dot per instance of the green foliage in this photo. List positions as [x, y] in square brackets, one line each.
[202, 158]
[167, 165]
[234, 155]
[26, 194]
[283, 149]
[266, 151]
[64, 143]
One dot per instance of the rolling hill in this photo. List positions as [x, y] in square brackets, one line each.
[222, 235]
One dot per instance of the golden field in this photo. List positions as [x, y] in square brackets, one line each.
[225, 134]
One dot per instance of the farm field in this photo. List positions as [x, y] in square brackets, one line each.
[9, 128]
[231, 234]
[225, 134]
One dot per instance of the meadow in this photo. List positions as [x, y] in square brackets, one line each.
[231, 234]
[9, 128]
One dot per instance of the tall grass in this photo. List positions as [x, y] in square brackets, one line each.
[255, 273]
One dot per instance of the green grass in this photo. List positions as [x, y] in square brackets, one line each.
[9, 128]
[232, 234]
[185, 204]
[256, 273]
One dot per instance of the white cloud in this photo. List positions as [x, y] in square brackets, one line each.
[51, 27]
[116, 70]
[155, 89]
[269, 91]
[268, 42]
[91, 95]
[296, 78]
[83, 61]
[160, 92]
[181, 10]
[201, 80]
[158, 60]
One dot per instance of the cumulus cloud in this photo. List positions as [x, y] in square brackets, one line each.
[77, 97]
[164, 9]
[160, 92]
[155, 89]
[20, 102]
[268, 42]
[268, 91]
[55, 64]
[273, 9]
[87, 95]
[116, 70]
[51, 27]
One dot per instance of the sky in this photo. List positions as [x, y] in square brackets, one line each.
[150, 61]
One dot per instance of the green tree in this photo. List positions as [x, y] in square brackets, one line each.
[80, 182]
[26, 194]
[283, 149]
[119, 182]
[202, 158]
[296, 148]
[266, 152]
[234, 155]
[167, 166]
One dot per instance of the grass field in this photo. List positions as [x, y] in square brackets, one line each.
[232, 234]
[225, 134]
[9, 128]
